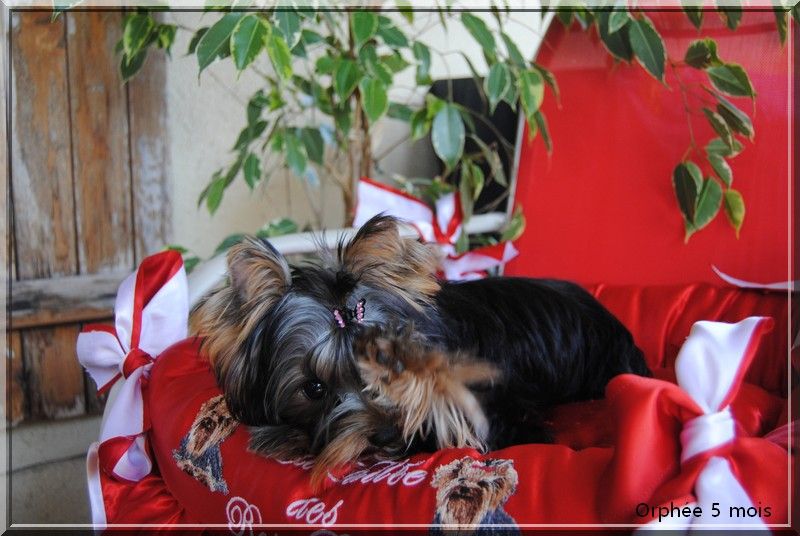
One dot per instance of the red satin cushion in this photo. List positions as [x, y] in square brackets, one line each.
[606, 459]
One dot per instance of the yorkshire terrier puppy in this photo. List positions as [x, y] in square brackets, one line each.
[281, 342]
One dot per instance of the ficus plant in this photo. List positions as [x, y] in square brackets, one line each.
[327, 83]
[329, 72]
[629, 34]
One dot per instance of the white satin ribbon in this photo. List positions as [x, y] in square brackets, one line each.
[139, 336]
[442, 226]
[708, 368]
[741, 283]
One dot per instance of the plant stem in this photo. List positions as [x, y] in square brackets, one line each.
[684, 91]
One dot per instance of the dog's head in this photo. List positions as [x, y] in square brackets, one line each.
[280, 339]
[468, 489]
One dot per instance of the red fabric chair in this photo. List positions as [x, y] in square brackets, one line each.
[600, 211]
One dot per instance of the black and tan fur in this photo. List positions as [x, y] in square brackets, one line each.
[281, 340]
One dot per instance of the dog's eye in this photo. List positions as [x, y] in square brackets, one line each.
[314, 389]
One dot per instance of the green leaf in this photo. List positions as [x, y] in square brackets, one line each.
[420, 124]
[565, 16]
[423, 56]
[648, 47]
[281, 56]
[249, 133]
[531, 93]
[795, 11]
[196, 39]
[278, 227]
[228, 242]
[399, 111]
[515, 227]
[721, 168]
[166, 36]
[693, 13]
[493, 159]
[736, 119]
[731, 15]
[373, 98]
[215, 42]
[731, 79]
[717, 146]
[708, 203]
[310, 37]
[472, 180]
[255, 105]
[496, 84]
[136, 33]
[448, 135]
[702, 53]
[618, 43]
[541, 122]
[128, 67]
[325, 65]
[720, 126]
[734, 209]
[514, 54]
[365, 25]
[549, 79]
[395, 62]
[287, 22]
[296, 158]
[687, 180]
[345, 78]
[252, 170]
[617, 20]
[214, 195]
[584, 18]
[479, 31]
[314, 144]
[247, 40]
[781, 21]
[391, 35]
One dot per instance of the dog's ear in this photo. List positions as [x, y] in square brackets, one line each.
[259, 276]
[380, 257]
[258, 273]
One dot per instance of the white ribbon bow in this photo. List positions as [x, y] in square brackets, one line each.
[151, 313]
[710, 366]
[443, 226]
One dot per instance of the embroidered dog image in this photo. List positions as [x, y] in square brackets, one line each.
[470, 497]
[199, 455]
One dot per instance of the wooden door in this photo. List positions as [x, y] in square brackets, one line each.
[88, 196]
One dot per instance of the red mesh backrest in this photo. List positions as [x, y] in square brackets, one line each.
[602, 208]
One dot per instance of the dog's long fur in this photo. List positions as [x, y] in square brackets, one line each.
[281, 341]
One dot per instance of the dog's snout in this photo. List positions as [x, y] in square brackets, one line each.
[385, 436]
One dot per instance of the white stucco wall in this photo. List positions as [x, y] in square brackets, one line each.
[205, 117]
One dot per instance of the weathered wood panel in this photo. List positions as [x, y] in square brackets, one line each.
[149, 159]
[100, 153]
[15, 381]
[41, 174]
[43, 203]
[63, 300]
[55, 386]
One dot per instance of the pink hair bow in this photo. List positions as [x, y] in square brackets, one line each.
[151, 313]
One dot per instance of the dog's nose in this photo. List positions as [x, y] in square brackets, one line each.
[385, 436]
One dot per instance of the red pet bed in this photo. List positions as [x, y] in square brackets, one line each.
[712, 450]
